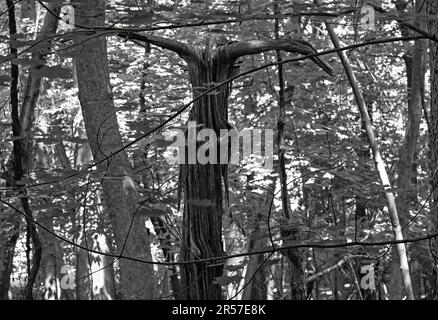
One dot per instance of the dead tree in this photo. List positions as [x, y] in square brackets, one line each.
[202, 224]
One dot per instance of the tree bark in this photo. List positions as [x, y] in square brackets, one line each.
[119, 192]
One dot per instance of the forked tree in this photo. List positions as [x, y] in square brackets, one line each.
[202, 224]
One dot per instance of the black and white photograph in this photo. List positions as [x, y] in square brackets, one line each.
[218, 158]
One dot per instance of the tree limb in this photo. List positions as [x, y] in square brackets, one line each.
[182, 49]
[251, 47]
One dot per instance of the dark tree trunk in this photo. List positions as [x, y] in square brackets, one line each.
[202, 225]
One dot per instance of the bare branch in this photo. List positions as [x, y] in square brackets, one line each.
[333, 267]
[182, 49]
[240, 49]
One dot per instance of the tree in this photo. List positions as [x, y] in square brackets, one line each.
[202, 225]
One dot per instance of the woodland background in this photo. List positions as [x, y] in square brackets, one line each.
[91, 209]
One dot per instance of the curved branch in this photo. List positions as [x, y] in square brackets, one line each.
[240, 49]
[182, 49]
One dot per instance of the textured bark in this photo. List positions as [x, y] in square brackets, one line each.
[119, 193]
[202, 225]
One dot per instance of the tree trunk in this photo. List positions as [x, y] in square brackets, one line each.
[433, 138]
[51, 261]
[119, 193]
[202, 225]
